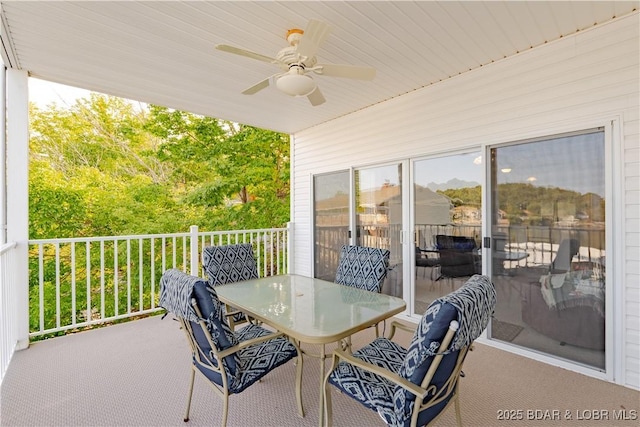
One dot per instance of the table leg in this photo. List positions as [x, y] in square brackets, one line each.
[322, 357]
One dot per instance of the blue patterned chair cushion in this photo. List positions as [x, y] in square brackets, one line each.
[370, 389]
[254, 361]
[362, 267]
[244, 367]
[229, 264]
[429, 334]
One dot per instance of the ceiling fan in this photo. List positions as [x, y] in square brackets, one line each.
[297, 61]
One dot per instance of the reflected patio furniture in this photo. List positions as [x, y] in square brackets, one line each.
[502, 255]
[414, 386]
[230, 361]
[567, 249]
[229, 264]
[458, 256]
[567, 307]
[424, 261]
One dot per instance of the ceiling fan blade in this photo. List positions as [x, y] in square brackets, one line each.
[316, 98]
[314, 35]
[247, 53]
[348, 71]
[257, 87]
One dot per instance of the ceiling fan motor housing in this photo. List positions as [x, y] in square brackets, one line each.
[290, 56]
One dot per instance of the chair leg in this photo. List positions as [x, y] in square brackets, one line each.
[193, 376]
[299, 361]
[225, 408]
[328, 413]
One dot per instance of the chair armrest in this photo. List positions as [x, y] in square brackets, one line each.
[248, 343]
[385, 373]
[397, 325]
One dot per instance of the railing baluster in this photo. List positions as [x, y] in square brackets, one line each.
[57, 251]
[73, 283]
[128, 276]
[89, 312]
[152, 263]
[174, 252]
[102, 293]
[140, 274]
[116, 277]
[164, 254]
[41, 282]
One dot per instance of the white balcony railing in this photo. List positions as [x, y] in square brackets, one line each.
[8, 312]
[80, 282]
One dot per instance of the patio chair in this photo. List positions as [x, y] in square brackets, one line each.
[229, 361]
[413, 386]
[229, 264]
[364, 268]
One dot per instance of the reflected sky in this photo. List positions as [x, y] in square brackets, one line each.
[572, 163]
[464, 167]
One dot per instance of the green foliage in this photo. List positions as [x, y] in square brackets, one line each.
[106, 167]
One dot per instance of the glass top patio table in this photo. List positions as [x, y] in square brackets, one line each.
[310, 310]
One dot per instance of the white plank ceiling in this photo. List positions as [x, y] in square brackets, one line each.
[163, 52]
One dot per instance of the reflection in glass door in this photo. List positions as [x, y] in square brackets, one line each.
[378, 192]
[548, 246]
[447, 206]
[331, 221]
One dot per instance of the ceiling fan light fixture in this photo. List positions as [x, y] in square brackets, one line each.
[296, 84]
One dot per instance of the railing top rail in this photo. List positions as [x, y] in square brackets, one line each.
[253, 230]
[105, 238]
[6, 247]
[149, 236]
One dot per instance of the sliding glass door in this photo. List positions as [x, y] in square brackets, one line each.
[447, 212]
[548, 245]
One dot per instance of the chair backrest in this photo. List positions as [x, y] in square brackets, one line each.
[195, 303]
[362, 267]
[229, 263]
[566, 251]
[457, 255]
[472, 306]
[456, 243]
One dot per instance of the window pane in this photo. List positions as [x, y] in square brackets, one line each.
[548, 229]
[379, 217]
[331, 221]
[447, 208]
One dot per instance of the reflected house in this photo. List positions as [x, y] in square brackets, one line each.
[430, 207]
[383, 207]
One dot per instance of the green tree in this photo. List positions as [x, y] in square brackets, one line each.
[239, 173]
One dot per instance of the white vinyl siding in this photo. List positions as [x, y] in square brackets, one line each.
[578, 82]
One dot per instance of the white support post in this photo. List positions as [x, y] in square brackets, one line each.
[17, 119]
[289, 247]
[194, 249]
